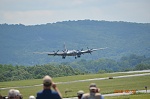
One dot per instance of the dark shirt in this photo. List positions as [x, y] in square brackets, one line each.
[48, 94]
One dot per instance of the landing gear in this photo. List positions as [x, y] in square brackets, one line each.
[78, 56]
[63, 57]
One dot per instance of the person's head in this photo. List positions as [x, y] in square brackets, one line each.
[31, 97]
[93, 88]
[80, 93]
[47, 81]
[12, 94]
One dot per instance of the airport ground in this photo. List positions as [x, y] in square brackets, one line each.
[108, 83]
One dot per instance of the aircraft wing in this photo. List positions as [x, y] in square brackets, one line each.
[41, 52]
[56, 54]
[99, 49]
[50, 53]
[91, 50]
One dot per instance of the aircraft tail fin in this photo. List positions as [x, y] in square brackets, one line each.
[65, 49]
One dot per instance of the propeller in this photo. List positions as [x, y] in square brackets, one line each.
[79, 52]
[65, 51]
[89, 50]
[55, 52]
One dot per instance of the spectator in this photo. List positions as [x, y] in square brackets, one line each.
[47, 92]
[31, 97]
[93, 93]
[12, 94]
[80, 93]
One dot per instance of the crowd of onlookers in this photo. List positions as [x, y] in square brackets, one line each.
[48, 93]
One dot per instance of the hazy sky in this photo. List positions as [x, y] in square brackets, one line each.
[30, 12]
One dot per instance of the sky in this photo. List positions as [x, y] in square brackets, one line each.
[33, 12]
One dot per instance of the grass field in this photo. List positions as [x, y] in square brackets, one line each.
[136, 96]
[106, 86]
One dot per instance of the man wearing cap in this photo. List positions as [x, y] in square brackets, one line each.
[93, 94]
[47, 93]
[12, 94]
[80, 93]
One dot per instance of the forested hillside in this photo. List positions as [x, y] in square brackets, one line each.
[126, 63]
[18, 42]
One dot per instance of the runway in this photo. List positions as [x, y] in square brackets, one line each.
[146, 72]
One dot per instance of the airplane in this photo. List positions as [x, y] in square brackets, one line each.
[66, 52]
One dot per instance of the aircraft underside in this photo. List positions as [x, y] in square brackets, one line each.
[78, 56]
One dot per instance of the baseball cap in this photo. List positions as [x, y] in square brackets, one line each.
[47, 80]
[92, 86]
[80, 92]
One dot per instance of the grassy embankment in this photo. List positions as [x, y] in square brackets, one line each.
[106, 86]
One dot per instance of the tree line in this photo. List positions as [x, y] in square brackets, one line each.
[9, 72]
[125, 63]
